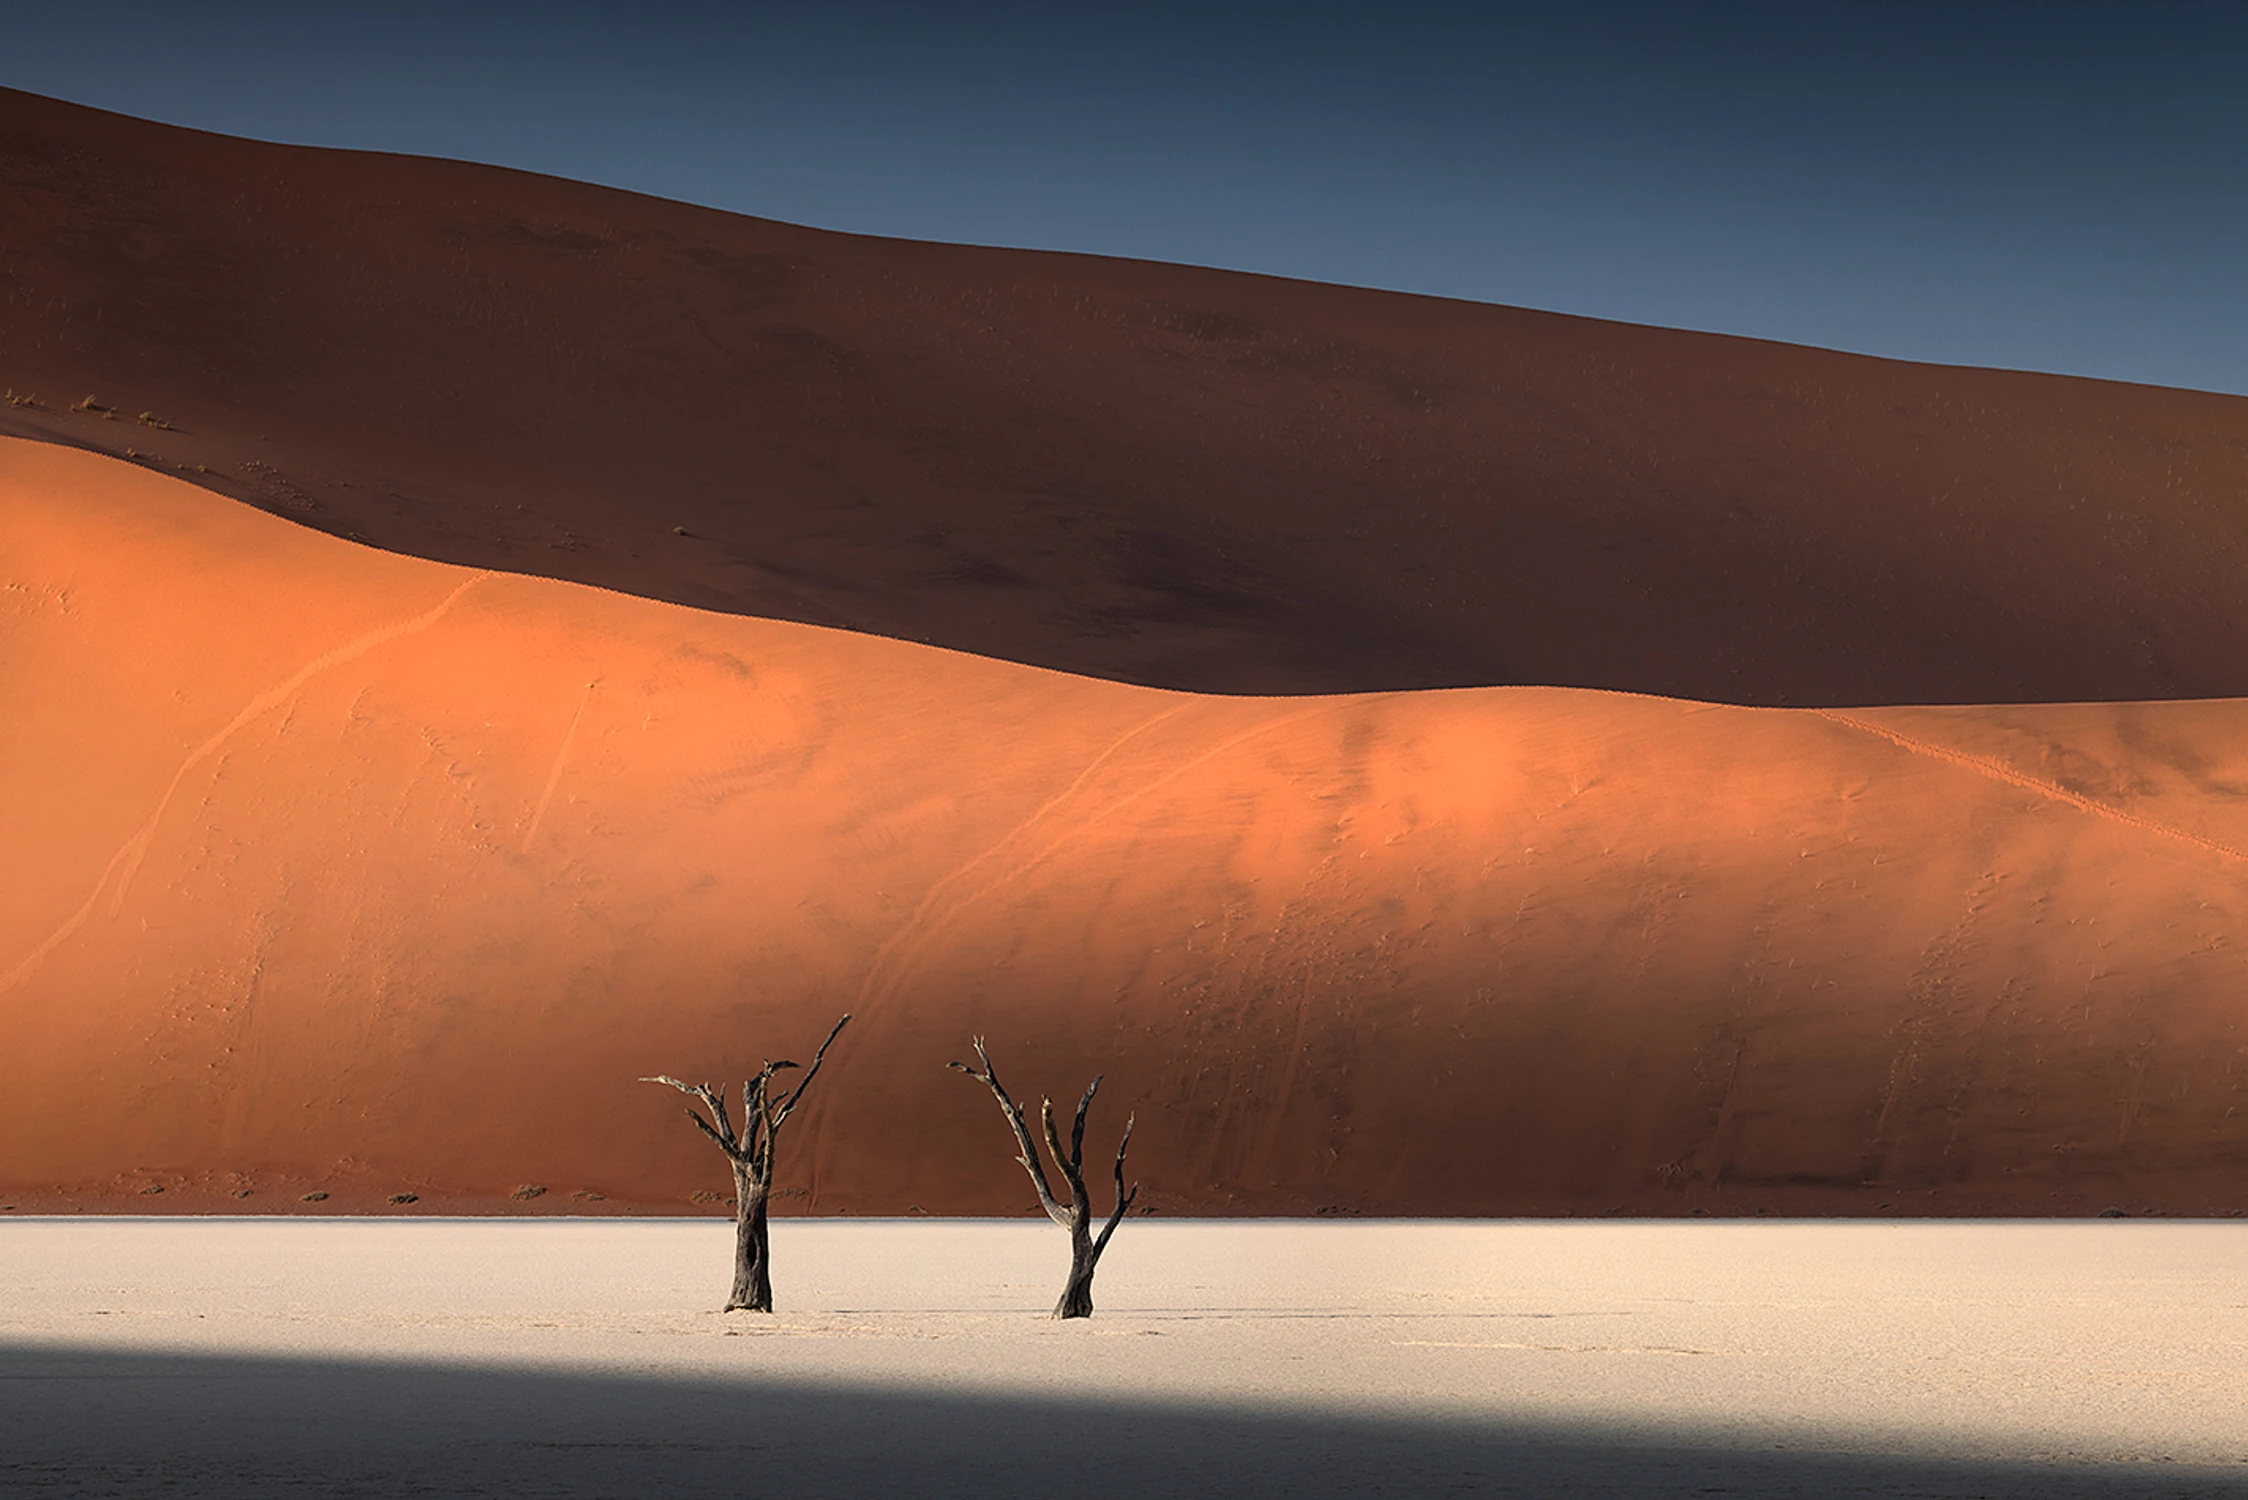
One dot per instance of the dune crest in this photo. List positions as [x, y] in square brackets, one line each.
[1149, 473]
[343, 871]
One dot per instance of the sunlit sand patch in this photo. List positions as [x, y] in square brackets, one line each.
[1984, 1358]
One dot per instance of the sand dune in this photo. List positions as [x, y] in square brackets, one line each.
[331, 869]
[1148, 473]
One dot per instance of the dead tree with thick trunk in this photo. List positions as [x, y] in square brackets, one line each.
[751, 1152]
[1076, 1216]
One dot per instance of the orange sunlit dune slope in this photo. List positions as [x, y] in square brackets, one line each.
[332, 869]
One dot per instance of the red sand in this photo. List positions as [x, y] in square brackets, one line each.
[1149, 473]
[335, 869]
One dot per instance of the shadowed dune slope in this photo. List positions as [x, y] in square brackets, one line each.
[333, 869]
[1148, 473]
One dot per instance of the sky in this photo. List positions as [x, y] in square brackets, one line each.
[2036, 186]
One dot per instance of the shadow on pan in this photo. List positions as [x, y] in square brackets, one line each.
[80, 1422]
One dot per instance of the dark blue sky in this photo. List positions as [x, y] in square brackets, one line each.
[2045, 186]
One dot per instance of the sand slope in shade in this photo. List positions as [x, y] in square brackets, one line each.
[333, 868]
[1157, 474]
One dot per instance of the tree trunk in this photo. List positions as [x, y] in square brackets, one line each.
[1077, 1294]
[753, 1279]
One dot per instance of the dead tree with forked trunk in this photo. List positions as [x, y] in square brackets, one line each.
[1076, 1216]
[751, 1152]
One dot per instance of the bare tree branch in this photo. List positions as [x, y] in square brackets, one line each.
[757, 1134]
[1054, 1139]
[1077, 1131]
[788, 1105]
[1007, 1106]
[717, 1103]
[710, 1130]
[1124, 1200]
[723, 1132]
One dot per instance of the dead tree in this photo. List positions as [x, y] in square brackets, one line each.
[1077, 1215]
[751, 1152]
